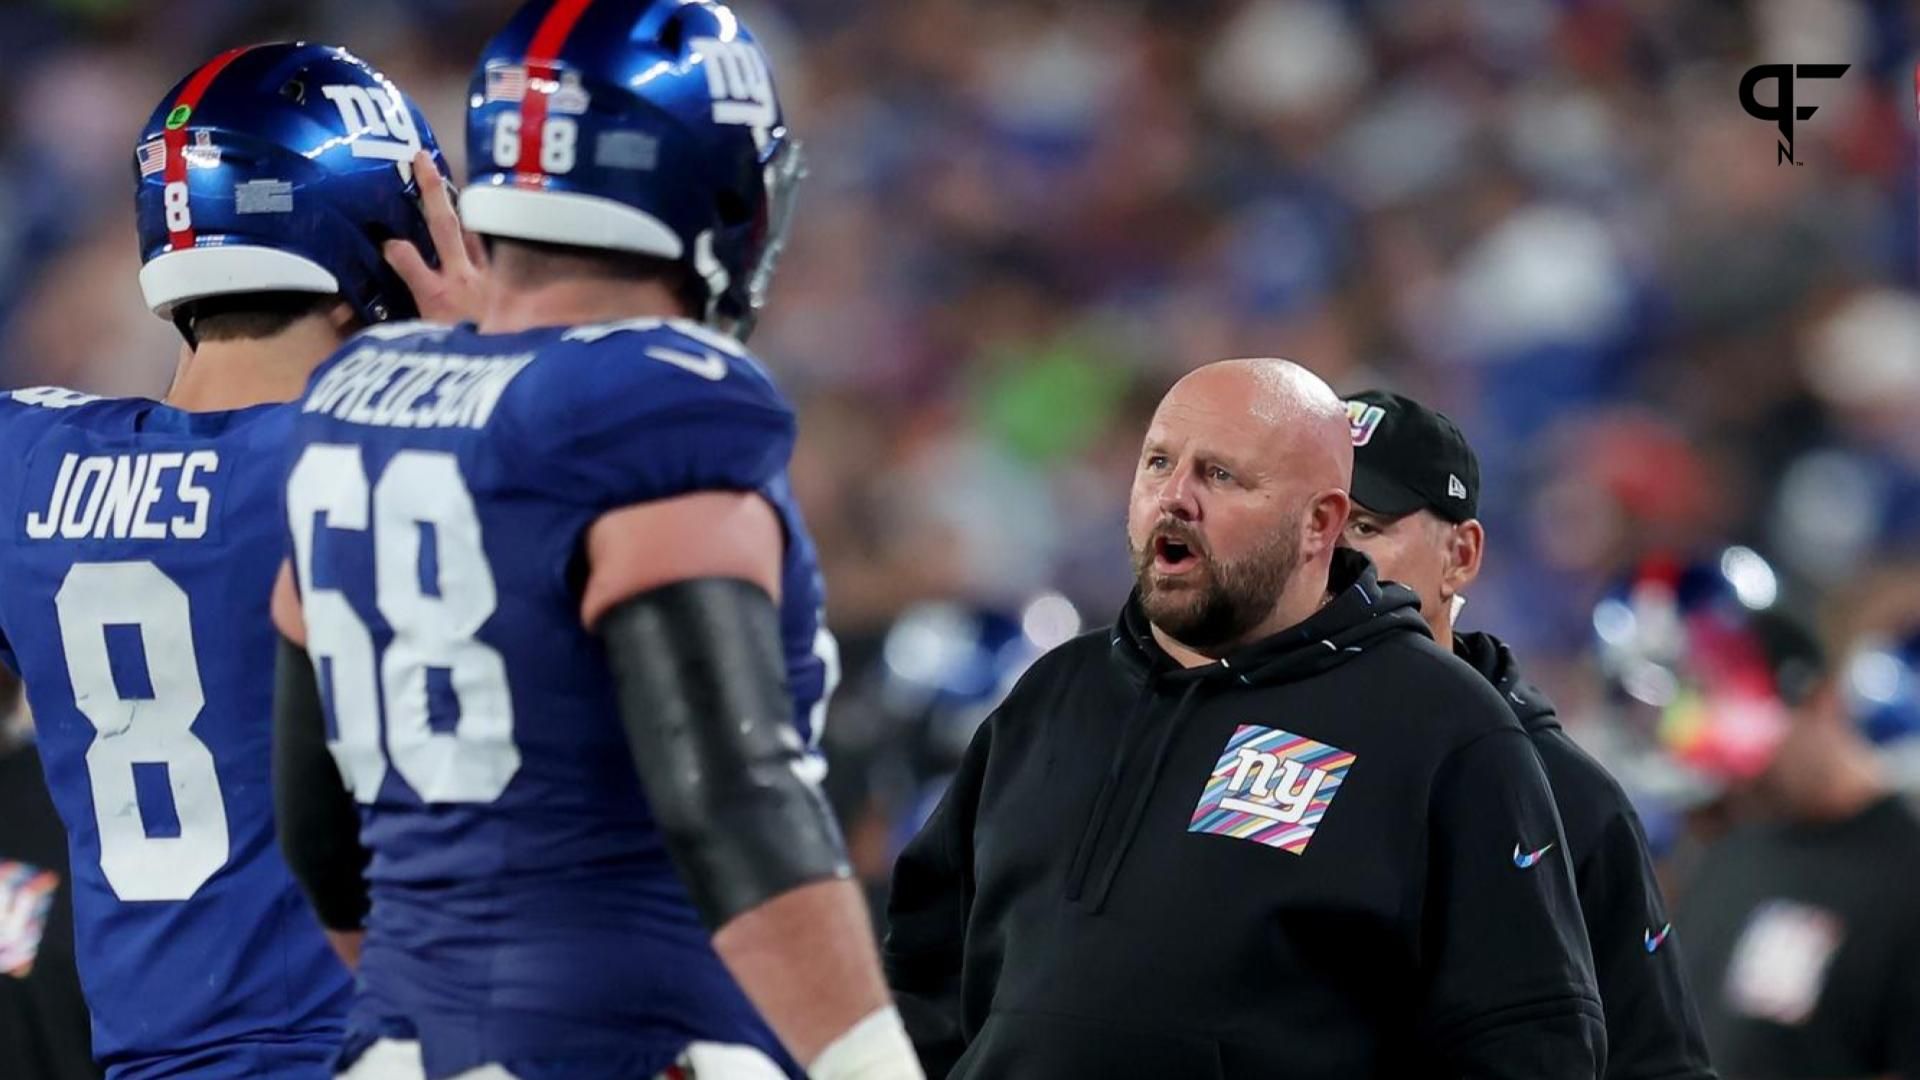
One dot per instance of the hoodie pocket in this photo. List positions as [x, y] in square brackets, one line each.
[1022, 1045]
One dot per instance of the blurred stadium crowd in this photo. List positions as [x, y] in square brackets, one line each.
[1549, 218]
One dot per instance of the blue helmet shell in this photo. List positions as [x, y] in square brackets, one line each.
[643, 126]
[1882, 684]
[280, 168]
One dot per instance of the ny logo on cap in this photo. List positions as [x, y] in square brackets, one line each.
[1363, 420]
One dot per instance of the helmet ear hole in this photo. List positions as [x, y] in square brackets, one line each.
[379, 232]
[672, 36]
[733, 209]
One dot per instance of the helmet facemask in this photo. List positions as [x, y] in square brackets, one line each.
[784, 171]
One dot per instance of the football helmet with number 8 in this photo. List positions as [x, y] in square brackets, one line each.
[280, 168]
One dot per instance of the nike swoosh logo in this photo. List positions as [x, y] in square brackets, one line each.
[1653, 940]
[1526, 860]
[706, 364]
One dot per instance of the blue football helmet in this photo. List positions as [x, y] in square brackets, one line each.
[1712, 659]
[280, 168]
[1883, 688]
[945, 666]
[642, 126]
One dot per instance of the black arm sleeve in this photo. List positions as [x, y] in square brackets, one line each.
[318, 825]
[927, 910]
[703, 695]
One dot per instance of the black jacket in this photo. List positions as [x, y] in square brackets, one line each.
[45, 1033]
[1653, 1024]
[1331, 855]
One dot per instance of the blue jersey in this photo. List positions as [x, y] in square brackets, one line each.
[525, 910]
[135, 571]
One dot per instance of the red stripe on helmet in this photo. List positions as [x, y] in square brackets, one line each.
[548, 40]
[175, 135]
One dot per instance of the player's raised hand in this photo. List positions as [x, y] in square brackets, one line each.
[451, 293]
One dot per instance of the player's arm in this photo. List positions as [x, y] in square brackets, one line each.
[318, 825]
[683, 591]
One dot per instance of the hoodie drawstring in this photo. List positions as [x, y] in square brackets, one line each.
[1142, 795]
[1102, 802]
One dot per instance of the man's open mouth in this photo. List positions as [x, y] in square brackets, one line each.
[1173, 556]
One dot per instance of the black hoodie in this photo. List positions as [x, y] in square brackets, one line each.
[1329, 855]
[1653, 1025]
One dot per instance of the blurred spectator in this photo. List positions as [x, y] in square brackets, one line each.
[1801, 940]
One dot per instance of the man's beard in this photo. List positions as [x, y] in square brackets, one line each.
[1219, 603]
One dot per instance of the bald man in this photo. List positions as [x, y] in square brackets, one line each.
[1262, 828]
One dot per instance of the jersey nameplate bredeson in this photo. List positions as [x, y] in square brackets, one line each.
[387, 388]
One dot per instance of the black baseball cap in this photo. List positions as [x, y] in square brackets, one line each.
[1407, 457]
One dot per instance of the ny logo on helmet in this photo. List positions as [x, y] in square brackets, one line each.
[741, 85]
[378, 125]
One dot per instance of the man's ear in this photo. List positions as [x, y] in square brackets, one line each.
[345, 321]
[1324, 522]
[1466, 543]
